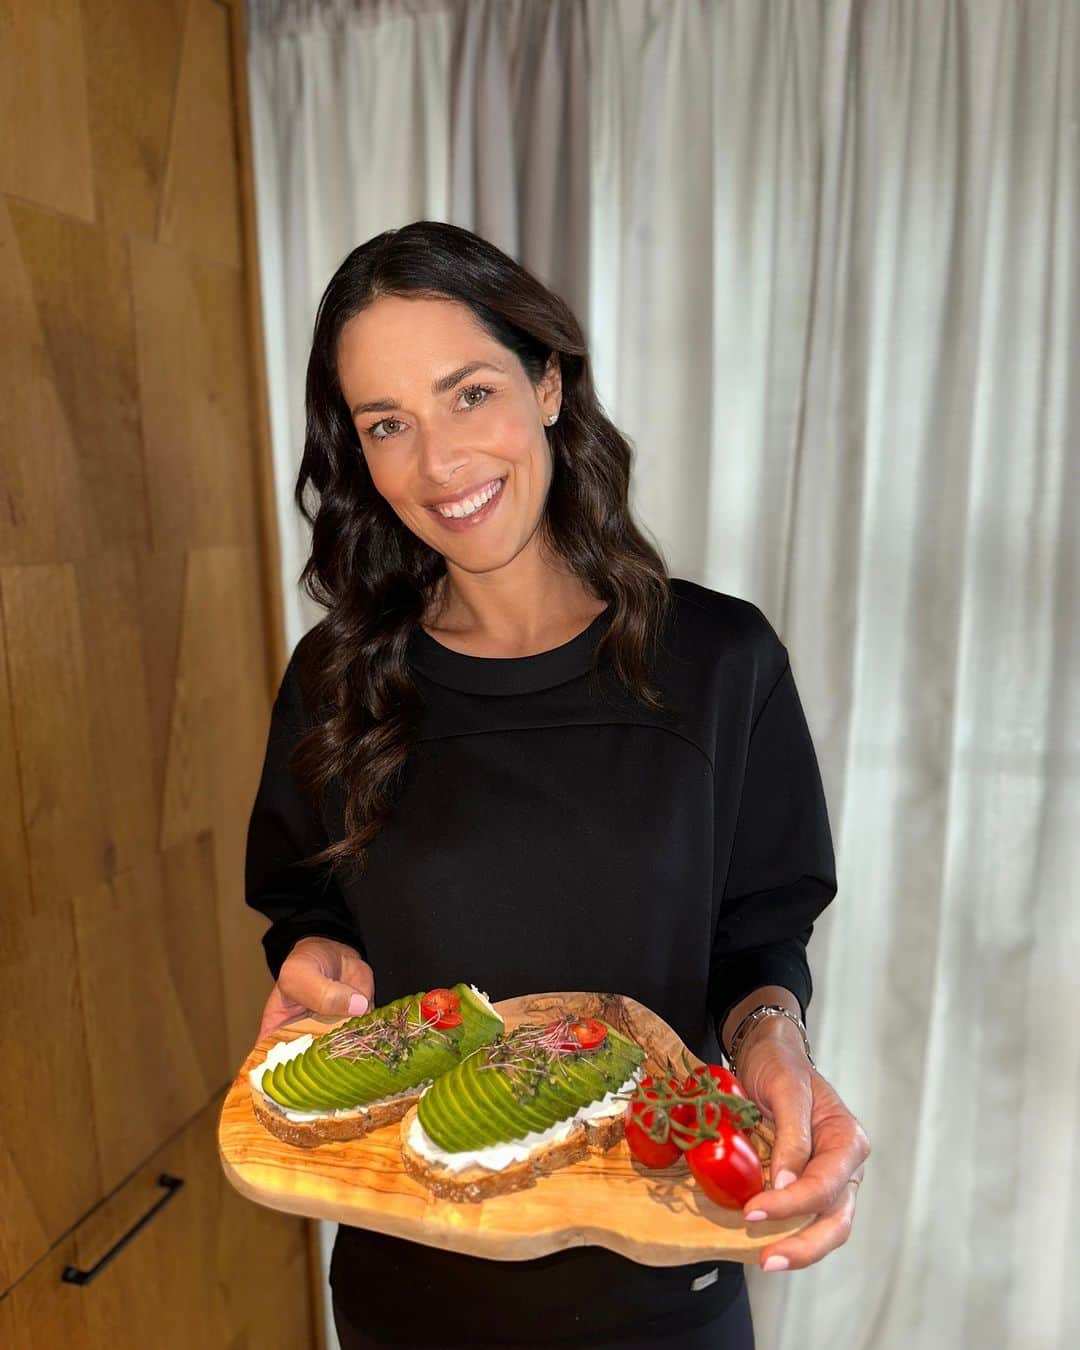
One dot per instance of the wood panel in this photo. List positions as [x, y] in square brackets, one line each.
[43, 106]
[190, 325]
[138, 657]
[200, 204]
[41, 519]
[146, 1069]
[208, 1270]
[130, 119]
[77, 281]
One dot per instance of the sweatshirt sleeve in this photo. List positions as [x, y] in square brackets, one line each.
[283, 829]
[782, 872]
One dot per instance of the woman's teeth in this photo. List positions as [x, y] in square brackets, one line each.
[471, 504]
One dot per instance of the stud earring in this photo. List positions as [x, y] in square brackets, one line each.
[552, 419]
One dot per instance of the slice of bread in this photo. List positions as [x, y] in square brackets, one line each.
[477, 1182]
[333, 1127]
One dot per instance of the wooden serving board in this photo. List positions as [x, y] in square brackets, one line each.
[658, 1218]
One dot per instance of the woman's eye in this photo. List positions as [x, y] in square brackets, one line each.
[484, 389]
[374, 431]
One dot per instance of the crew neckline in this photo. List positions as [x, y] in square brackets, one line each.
[507, 674]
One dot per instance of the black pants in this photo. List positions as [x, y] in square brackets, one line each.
[731, 1330]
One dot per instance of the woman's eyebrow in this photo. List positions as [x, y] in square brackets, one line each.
[441, 386]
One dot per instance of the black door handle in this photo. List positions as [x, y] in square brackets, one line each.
[73, 1275]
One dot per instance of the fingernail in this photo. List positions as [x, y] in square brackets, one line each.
[755, 1214]
[776, 1263]
[783, 1178]
[357, 1005]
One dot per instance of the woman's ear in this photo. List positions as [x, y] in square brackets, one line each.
[550, 389]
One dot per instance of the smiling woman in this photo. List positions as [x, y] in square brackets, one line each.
[455, 455]
[516, 752]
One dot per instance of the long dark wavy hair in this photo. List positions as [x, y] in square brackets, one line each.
[376, 578]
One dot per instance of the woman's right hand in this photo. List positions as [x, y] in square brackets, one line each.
[319, 976]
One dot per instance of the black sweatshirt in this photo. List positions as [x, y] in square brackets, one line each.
[551, 832]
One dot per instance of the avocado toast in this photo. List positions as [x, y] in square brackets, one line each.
[367, 1071]
[533, 1099]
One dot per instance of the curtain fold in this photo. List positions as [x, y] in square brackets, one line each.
[826, 255]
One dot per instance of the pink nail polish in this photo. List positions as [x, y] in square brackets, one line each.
[783, 1178]
[357, 1005]
[754, 1215]
[776, 1263]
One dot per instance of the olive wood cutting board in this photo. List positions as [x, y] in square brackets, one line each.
[656, 1217]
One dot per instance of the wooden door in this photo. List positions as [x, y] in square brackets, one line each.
[140, 643]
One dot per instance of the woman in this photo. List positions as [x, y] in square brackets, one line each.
[516, 752]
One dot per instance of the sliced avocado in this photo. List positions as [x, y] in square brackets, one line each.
[490, 1088]
[439, 1124]
[470, 1108]
[328, 1082]
[302, 1088]
[274, 1085]
[314, 1081]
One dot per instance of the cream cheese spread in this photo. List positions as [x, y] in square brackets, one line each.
[497, 1156]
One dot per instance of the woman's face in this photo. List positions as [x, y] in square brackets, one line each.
[443, 411]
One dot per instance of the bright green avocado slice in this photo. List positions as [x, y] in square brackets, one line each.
[318, 1081]
[462, 1110]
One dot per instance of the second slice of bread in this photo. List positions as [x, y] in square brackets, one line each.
[481, 1183]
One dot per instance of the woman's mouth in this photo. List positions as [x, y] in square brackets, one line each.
[473, 510]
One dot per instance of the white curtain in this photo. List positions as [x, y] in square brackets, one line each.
[826, 253]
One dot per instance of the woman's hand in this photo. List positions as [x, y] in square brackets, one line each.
[319, 976]
[820, 1150]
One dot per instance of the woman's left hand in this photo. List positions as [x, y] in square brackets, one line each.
[820, 1150]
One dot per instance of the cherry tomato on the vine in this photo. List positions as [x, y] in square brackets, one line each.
[640, 1118]
[726, 1168]
[724, 1079]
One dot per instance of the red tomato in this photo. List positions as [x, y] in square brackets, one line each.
[439, 1007]
[686, 1113]
[649, 1152]
[586, 1033]
[726, 1168]
[724, 1079]
[640, 1118]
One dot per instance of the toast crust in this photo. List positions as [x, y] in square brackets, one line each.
[330, 1129]
[480, 1183]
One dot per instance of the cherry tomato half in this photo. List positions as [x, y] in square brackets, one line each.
[726, 1168]
[586, 1033]
[439, 1007]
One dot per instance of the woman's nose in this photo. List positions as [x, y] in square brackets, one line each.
[441, 458]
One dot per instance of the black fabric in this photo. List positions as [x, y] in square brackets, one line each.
[553, 833]
[731, 1328]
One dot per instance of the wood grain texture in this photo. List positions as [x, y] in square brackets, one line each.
[136, 671]
[208, 1270]
[43, 103]
[659, 1218]
[200, 202]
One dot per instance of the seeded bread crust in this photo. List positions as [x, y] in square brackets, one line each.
[330, 1129]
[480, 1183]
